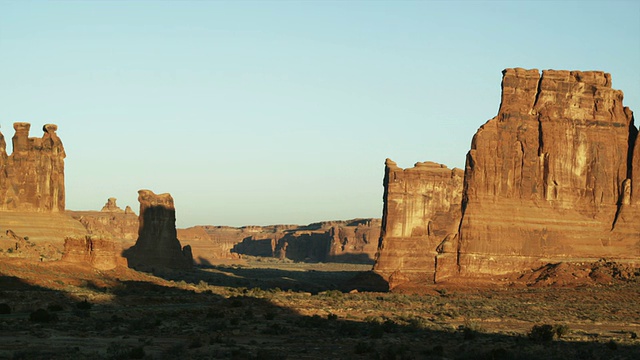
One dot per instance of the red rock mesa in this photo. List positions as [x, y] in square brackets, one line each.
[551, 178]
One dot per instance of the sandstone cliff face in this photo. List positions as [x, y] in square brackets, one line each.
[421, 214]
[32, 177]
[546, 177]
[102, 254]
[110, 222]
[337, 241]
[550, 178]
[157, 245]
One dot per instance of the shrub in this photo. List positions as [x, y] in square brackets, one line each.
[5, 309]
[137, 353]
[546, 332]
[55, 307]
[363, 347]
[84, 305]
[42, 315]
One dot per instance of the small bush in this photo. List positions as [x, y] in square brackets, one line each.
[42, 316]
[5, 309]
[270, 315]
[84, 305]
[363, 347]
[546, 332]
[137, 353]
[55, 307]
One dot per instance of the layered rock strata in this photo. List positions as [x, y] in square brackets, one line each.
[329, 241]
[421, 213]
[110, 222]
[157, 245]
[102, 254]
[551, 178]
[32, 177]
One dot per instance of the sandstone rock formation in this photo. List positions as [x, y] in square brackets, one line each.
[157, 245]
[110, 222]
[32, 177]
[102, 254]
[336, 241]
[549, 179]
[421, 214]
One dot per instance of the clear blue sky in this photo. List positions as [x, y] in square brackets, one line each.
[281, 112]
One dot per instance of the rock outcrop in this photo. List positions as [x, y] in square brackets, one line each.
[32, 177]
[352, 241]
[157, 245]
[110, 222]
[102, 254]
[550, 179]
[421, 215]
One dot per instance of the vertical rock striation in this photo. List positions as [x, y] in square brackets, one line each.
[32, 177]
[420, 221]
[157, 245]
[546, 177]
[553, 177]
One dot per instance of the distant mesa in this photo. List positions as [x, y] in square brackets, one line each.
[350, 241]
[157, 245]
[550, 179]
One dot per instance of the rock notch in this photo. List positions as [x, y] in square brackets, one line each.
[32, 177]
[549, 179]
[157, 245]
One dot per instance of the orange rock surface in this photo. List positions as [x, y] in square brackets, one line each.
[32, 177]
[102, 254]
[549, 179]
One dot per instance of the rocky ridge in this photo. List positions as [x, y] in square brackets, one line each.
[336, 241]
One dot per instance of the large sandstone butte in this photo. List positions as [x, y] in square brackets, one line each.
[157, 245]
[32, 177]
[550, 179]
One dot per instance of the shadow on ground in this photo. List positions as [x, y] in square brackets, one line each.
[189, 316]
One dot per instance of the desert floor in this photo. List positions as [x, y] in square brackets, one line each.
[267, 309]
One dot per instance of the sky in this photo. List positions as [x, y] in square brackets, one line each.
[281, 112]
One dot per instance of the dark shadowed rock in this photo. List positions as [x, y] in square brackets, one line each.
[157, 245]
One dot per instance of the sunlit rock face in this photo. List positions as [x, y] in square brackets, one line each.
[99, 253]
[157, 245]
[550, 178]
[32, 177]
[110, 222]
[420, 221]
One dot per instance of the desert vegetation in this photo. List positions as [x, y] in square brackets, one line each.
[278, 310]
